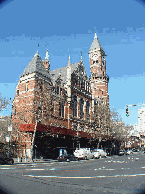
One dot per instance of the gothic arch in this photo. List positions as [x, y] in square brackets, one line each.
[74, 105]
[81, 108]
[87, 107]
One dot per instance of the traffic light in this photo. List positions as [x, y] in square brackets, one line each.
[127, 112]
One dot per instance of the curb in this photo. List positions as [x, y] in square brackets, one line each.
[34, 161]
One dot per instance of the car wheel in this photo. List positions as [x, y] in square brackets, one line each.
[100, 156]
[11, 162]
[67, 160]
[85, 157]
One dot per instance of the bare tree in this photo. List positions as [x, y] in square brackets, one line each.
[4, 123]
[3, 102]
[101, 117]
[107, 121]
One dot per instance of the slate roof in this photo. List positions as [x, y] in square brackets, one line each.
[95, 43]
[62, 72]
[36, 66]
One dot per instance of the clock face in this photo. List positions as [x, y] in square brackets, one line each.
[95, 57]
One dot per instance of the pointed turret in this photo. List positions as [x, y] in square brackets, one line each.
[95, 44]
[69, 62]
[46, 61]
[47, 55]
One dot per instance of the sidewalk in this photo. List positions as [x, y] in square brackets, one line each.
[28, 161]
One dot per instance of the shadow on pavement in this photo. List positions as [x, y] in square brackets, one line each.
[4, 190]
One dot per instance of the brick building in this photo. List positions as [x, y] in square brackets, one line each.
[56, 109]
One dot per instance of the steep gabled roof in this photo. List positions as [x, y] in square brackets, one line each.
[36, 66]
[62, 72]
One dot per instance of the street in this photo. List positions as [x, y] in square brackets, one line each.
[114, 174]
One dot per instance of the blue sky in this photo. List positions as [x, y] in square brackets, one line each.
[68, 27]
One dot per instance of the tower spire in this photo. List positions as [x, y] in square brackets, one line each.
[81, 57]
[69, 62]
[37, 53]
[95, 36]
[47, 55]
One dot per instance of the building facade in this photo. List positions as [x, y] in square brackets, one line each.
[141, 119]
[56, 109]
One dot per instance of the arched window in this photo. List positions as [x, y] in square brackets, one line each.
[15, 111]
[26, 86]
[81, 108]
[87, 107]
[52, 105]
[61, 109]
[95, 105]
[39, 112]
[57, 90]
[74, 102]
[17, 92]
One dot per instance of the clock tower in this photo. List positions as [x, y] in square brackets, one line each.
[99, 79]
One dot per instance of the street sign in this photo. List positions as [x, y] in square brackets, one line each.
[10, 128]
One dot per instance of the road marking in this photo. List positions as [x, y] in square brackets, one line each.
[63, 169]
[88, 177]
[7, 168]
[34, 169]
[103, 169]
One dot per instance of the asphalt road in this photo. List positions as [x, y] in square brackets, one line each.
[116, 174]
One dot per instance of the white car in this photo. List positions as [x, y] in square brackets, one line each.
[128, 152]
[83, 153]
[95, 153]
[101, 153]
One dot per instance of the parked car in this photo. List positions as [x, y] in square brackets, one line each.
[67, 157]
[95, 153]
[128, 152]
[83, 153]
[121, 152]
[102, 153]
[135, 150]
[5, 160]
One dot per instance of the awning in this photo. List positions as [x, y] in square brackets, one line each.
[53, 130]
